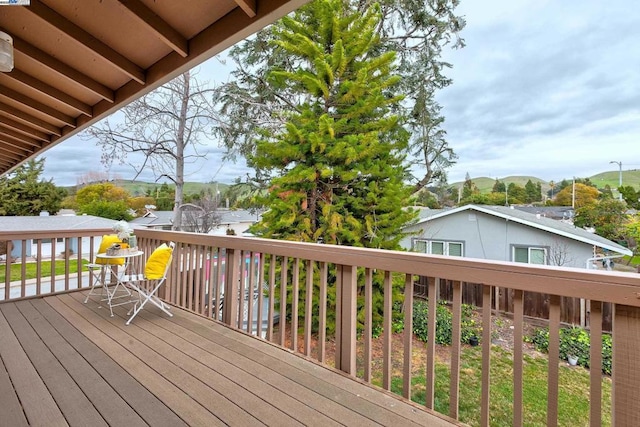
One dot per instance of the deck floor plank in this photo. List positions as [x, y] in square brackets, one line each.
[109, 404]
[214, 401]
[144, 403]
[182, 404]
[161, 371]
[12, 414]
[27, 384]
[237, 394]
[352, 393]
[252, 378]
[245, 362]
[74, 404]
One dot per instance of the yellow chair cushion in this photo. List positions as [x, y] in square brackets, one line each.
[157, 262]
[107, 241]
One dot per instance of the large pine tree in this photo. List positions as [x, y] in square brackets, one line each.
[337, 165]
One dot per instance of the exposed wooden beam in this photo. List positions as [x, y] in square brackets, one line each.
[17, 136]
[8, 161]
[25, 129]
[10, 148]
[160, 27]
[82, 37]
[248, 6]
[50, 91]
[63, 69]
[28, 118]
[35, 105]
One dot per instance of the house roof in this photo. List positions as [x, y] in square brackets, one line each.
[78, 61]
[55, 223]
[227, 216]
[536, 221]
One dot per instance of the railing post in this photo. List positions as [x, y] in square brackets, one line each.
[231, 282]
[346, 320]
[625, 409]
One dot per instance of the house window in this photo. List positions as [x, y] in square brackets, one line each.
[530, 255]
[437, 247]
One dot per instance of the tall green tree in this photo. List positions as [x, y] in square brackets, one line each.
[417, 30]
[469, 188]
[498, 187]
[24, 193]
[336, 167]
[532, 193]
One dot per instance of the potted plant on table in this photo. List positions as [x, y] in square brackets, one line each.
[125, 233]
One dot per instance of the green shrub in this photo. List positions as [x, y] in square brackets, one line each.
[444, 322]
[575, 341]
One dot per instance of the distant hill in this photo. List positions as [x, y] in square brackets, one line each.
[612, 178]
[485, 184]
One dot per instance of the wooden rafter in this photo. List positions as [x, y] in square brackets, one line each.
[82, 37]
[161, 29]
[28, 118]
[36, 105]
[248, 6]
[50, 92]
[24, 129]
[62, 69]
[19, 137]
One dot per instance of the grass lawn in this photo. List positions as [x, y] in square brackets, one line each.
[573, 390]
[16, 269]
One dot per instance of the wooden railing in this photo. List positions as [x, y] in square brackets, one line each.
[325, 285]
[29, 250]
[208, 269]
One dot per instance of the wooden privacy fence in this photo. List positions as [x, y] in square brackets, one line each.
[573, 311]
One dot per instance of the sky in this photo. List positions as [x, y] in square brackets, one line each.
[543, 88]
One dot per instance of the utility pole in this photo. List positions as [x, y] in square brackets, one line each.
[619, 177]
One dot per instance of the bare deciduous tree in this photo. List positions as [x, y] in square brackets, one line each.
[160, 132]
[560, 253]
[201, 216]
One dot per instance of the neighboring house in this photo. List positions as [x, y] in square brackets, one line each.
[238, 220]
[156, 220]
[54, 224]
[507, 234]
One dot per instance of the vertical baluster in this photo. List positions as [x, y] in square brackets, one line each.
[260, 286]
[595, 356]
[454, 385]
[283, 299]
[625, 409]
[295, 295]
[554, 356]
[39, 267]
[486, 355]
[252, 289]
[434, 286]
[518, 316]
[322, 313]
[272, 297]
[407, 335]
[308, 307]
[368, 327]
[386, 345]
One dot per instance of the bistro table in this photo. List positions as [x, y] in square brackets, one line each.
[122, 275]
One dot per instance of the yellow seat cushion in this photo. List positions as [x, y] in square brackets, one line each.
[157, 262]
[107, 241]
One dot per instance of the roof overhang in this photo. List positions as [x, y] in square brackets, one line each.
[78, 61]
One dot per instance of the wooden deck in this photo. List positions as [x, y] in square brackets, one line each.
[63, 362]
